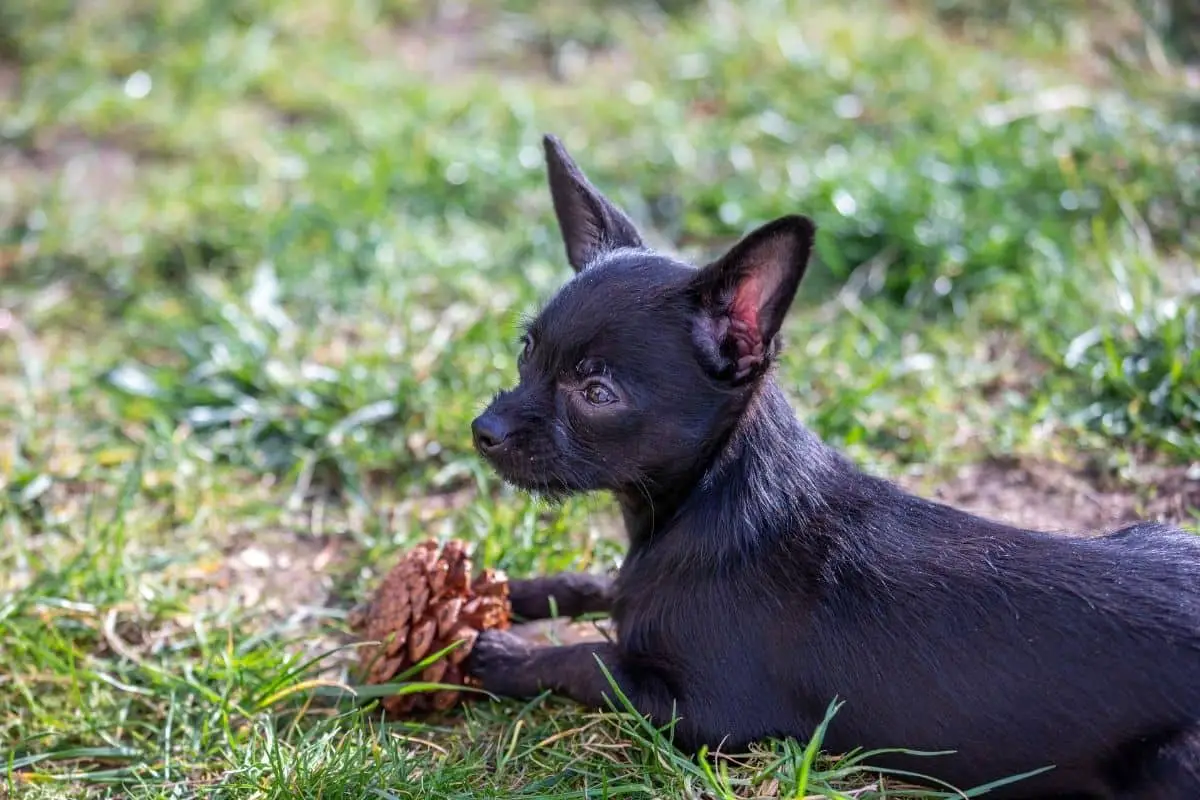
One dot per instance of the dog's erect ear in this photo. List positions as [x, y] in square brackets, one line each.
[744, 295]
[590, 224]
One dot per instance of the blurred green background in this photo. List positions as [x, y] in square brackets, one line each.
[262, 261]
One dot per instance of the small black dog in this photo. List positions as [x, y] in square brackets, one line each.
[767, 576]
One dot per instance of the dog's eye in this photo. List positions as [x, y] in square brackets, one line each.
[599, 395]
[526, 349]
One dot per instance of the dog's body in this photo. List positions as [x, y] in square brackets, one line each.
[768, 576]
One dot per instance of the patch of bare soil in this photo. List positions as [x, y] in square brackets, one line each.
[464, 40]
[1054, 497]
[445, 44]
[561, 631]
[275, 572]
[10, 80]
[87, 171]
[288, 581]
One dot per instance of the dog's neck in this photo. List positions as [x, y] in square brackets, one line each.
[767, 472]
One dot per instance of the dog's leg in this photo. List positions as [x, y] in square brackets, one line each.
[567, 594]
[509, 666]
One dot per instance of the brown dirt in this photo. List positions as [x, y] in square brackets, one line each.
[445, 44]
[1049, 496]
[10, 80]
[563, 631]
[88, 171]
[275, 571]
[468, 42]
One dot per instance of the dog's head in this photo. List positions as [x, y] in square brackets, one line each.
[638, 367]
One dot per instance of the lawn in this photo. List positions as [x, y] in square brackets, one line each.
[261, 262]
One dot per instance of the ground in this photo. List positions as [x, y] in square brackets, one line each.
[261, 263]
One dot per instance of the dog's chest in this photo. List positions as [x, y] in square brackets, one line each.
[674, 615]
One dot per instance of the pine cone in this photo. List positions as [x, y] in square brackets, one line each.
[426, 603]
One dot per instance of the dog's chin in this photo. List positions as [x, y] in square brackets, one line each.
[550, 489]
[546, 485]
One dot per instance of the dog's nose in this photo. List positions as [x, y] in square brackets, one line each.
[490, 432]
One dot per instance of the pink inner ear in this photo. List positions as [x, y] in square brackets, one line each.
[743, 323]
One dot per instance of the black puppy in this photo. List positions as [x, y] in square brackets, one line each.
[766, 575]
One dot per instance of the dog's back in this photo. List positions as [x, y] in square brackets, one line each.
[1017, 650]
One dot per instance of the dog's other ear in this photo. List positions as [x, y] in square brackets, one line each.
[589, 223]
[744, 295]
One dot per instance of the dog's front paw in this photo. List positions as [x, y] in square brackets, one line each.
[500, 662]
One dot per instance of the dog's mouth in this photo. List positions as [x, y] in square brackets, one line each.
[527, 472]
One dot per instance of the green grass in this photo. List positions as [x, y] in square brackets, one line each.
[261, 263]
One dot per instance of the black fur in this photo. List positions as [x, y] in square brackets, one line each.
[767, 575]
